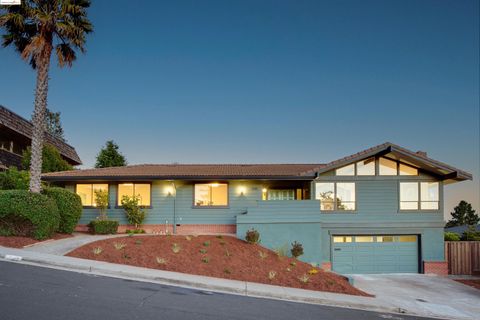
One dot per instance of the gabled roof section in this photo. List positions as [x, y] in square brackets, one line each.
[24, 127]
[418, 159]
[190, 172]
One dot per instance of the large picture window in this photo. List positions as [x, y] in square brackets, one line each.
[86, 191]
[141, 190]
[336, 196]
[210, 195]
[419, 195]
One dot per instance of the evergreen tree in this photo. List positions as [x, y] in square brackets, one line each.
[54, 124]
[109, 156]
[463, 214]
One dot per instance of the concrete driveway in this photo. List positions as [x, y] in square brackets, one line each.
[423, 294]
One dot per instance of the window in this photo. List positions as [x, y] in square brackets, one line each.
[281, 194]
[87, 193]
[363, 239]
[412, 199]
[210, 194]
[406, 170]
[366, 167]
[336, 196]
[141, 190]
[429, 195]
[409, 196]
[342, 239]
[346, 171]
[387, 167]
[384, 238]
[407, 239]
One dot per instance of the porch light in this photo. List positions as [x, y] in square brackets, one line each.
[169, 191]
[242, 190]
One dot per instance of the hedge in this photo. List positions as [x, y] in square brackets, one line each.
[103, 226]
[69, 206]
[30, 214]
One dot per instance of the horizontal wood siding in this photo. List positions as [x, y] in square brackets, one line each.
[463, 257]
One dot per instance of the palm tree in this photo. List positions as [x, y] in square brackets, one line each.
[35, 28]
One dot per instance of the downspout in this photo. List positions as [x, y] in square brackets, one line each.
[174, 207]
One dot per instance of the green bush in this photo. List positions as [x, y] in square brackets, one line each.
[252, 236]
[135, 231]
[451, 236]
[297, 249]
[471, 234]
[12, 179]
[69, 206]
[103, 226]
[135, 214]
[29, 214]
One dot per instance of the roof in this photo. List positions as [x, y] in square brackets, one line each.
[24, 127]
[418, 159]
[461, 229]
[190, 171]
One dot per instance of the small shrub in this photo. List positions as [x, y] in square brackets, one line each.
[101, 201]
[227, 271]
[103, 226]
[69, 207]
[206, 243]
[119, 245]
[272, 275]
[28, 214]
[188, 238]
[252, 236]
[222, 243]
[281, 251]
[126, 256]
[205, 259]
[138, 242]
[312, 271]
[97, 250]
[135, 231]
[297, 249]
[203, 251]
[293, 263]
[161, 261]
[135, 214]
[289, 269]
[451, 236]
[176, 248]
[219, 236]
[262, 254]
[304, 278]
[227, 253]
[471, 234]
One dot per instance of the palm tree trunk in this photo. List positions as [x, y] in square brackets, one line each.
[38, 120]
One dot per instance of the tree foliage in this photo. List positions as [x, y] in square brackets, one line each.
[463, 214]
[101, 202]
[13, 179]
[135, 214]
[52, 160]
[109, 156]
[54, 124]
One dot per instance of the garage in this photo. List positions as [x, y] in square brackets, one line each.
[375, 254]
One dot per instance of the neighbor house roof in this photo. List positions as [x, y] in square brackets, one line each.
[190, 171]
[24, 127]
[461, 229]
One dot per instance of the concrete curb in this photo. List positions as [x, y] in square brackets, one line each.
[199, 282]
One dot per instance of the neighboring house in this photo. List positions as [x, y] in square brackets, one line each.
[461, 229]
[16, 135]
[377, 211]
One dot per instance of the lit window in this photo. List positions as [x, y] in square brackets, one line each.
[211, 194]
[363, 239]
[336, 196]
[407, 239]
[408, 196]
[141, 190]
[366, 167]
[346, 171]
[342, 239]
[87, 193]
[384, 238]
[407, 170]
[387, 167]
[429, 195]
[288, 194]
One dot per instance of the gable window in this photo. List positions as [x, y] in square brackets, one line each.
[346, 171]
[406, 170]
[387, 167]
[210, 195]
[86, 191]
[288, 194]
[366, 167]
[419, 195]
[141, 190]
[339, 196]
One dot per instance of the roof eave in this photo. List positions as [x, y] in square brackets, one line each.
[156, 177]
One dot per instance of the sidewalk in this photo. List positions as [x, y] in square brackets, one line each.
[213, 284]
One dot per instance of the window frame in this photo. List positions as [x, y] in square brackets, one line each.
[119, 206]
[294, 191]
[92, 206]
[211, 206]
[335, 208]
[419, 201]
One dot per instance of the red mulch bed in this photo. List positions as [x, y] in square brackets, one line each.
[228, 257]
[471, 283]
[20, 242]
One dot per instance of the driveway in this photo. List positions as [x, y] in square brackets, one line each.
[423, 294]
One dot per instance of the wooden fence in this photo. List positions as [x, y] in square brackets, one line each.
[463, 257]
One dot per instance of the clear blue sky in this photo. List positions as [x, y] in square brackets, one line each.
[269, 81]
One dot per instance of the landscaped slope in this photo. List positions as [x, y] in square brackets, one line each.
[222, 257]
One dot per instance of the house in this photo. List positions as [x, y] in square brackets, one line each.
[377, 211]
[16, 136]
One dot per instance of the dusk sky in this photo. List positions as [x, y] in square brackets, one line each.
[269, 82]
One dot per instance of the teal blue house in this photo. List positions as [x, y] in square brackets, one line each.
[376, 211]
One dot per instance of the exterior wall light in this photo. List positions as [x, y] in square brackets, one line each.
[242, 190]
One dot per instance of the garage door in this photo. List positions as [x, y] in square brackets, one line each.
[375, 254]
